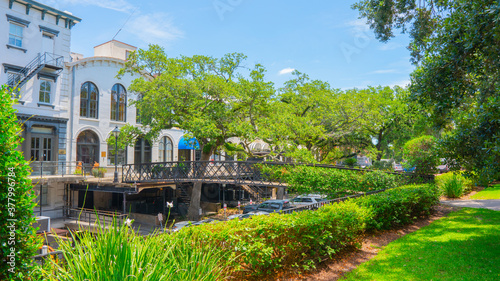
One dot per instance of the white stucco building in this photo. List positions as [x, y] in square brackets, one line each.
[100, 102]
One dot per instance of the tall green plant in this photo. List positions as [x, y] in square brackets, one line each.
[117, 253]
[17, 236]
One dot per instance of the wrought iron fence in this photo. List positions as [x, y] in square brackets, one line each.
[230, 172]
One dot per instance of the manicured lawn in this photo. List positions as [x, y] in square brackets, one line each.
[463, 246]
[492, 192]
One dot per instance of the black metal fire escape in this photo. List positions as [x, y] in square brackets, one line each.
[43, 61]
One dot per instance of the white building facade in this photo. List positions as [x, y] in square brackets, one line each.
[100, 102]
[35, 43]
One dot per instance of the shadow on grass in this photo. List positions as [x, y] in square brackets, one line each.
[463, 246]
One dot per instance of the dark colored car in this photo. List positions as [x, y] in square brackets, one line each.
[270, 206]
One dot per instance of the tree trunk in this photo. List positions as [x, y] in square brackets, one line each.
[194, 206]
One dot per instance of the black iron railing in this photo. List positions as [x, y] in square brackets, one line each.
[227, 172]
[38, 63]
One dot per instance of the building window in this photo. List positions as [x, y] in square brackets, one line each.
[41, 149]
[89, 100]
[118, 103]
[121, 157]
[142, 151]
[15, 35]
[45, 89]
[166, 150]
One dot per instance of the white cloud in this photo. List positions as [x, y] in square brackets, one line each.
[390, 46]
[116, 5]
[286, 71]
[383, 71]
[358, 26]
[156, 28]
[402, 83]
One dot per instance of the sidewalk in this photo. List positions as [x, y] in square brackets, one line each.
[492, 204]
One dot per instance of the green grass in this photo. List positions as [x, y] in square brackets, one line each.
[463, 246]
[492, 192]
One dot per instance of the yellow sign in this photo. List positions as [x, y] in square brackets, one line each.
[62, 151]
[103, 153]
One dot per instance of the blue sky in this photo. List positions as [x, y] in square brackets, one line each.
[324, 39]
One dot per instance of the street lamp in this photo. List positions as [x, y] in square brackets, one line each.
[116, 132]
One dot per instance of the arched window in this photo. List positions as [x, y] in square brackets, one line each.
[118, 103]
[166, 150]
[89, 100]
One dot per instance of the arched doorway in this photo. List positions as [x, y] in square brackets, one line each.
[87, 147]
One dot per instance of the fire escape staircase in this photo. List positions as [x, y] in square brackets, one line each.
[43, 61]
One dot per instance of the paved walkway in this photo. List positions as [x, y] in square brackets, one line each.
[486, 204]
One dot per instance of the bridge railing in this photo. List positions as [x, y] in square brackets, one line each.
[232, 172]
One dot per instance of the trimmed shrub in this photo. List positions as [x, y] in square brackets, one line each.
[300, 240]
[420, 153]
[400, 206]
[264, 244]
[331, 181]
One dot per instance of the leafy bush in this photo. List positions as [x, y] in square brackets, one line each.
[400, 206]
[382, 165]
[98, 172]
[335, 182]
[420, 153]
[379, 180]
[119, 253]
[350, 162]
[299, 240]
[19, 241]
[454, 184]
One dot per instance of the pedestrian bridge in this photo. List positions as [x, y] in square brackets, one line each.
[224, 172]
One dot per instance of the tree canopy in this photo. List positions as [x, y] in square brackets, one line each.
[210, 98]
[455, 47]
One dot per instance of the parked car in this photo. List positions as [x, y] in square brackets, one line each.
[443, 168]
[205, 221]
[305, 200]
[251, 214]
[270, 206]
[178, 225]
[398, 167]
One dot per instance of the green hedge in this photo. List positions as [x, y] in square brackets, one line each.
[335, 182]
[400, 206]
[300, 240]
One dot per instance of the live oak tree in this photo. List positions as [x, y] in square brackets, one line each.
[455, 47]
[210, 98]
